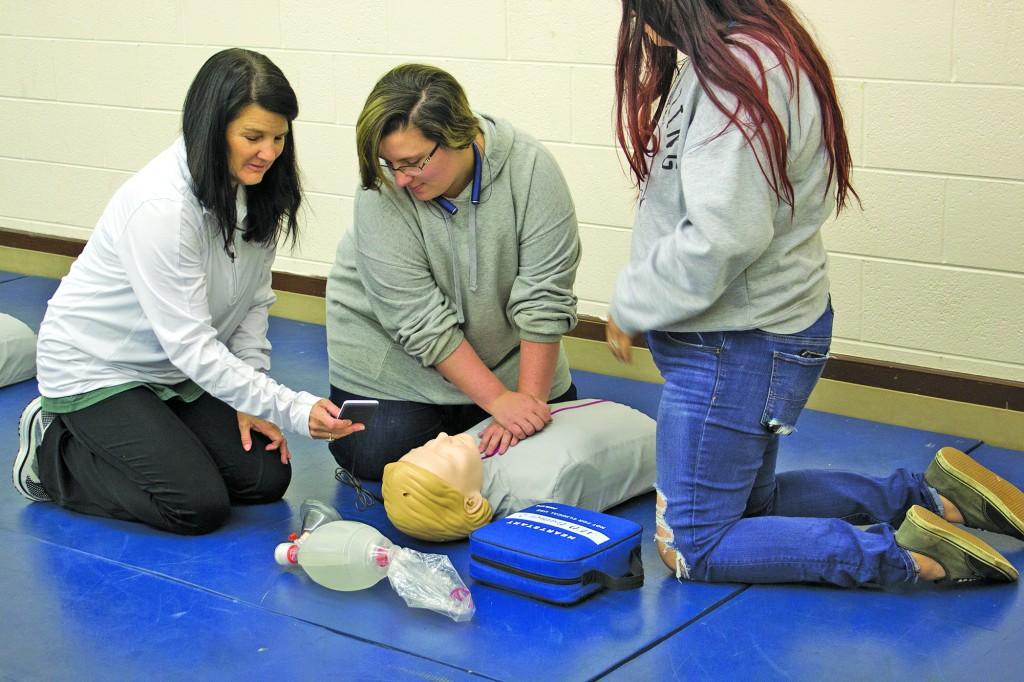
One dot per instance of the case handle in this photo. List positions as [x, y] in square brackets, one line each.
[634, 579]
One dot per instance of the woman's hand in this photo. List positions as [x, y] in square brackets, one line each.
[325, 425]
[619, 343]
[520, 413]
[248, 423]
[495, 439]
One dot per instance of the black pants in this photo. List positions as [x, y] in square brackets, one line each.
[174, 465]
[399, 426]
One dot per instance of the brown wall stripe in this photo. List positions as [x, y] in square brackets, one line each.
[38, 242]
[1008, 395]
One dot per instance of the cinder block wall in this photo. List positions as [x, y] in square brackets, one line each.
[931, 273]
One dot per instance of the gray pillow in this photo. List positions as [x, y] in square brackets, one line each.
[594, 454]
[17, 351]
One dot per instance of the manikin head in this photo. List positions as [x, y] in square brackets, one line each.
[433, 491]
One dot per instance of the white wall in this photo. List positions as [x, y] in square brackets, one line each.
[930, 274]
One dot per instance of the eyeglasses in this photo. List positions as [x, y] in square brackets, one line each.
[414, 169]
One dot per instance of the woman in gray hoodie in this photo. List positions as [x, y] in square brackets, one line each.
[450, 294]
[742, 156]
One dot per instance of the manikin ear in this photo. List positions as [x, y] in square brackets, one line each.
[472, 503]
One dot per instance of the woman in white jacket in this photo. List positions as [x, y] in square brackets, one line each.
[155, 403]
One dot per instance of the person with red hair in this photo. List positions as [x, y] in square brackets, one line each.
[728, 116]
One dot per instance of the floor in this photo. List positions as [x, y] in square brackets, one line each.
[88, 598]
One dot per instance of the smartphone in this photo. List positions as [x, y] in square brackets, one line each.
[359, 411]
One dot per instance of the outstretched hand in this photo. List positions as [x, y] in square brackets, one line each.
[247, 423]
[619, 343]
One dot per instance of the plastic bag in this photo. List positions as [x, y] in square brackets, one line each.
[424, 581]
[429, 581]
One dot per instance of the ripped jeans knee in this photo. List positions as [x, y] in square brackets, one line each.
[664, 539]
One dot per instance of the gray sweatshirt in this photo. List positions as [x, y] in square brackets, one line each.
[713, 249]
[410, 281]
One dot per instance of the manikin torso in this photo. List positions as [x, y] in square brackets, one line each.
[594, 454]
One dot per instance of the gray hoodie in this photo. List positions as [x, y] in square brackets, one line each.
[713, 250]
[410, 281]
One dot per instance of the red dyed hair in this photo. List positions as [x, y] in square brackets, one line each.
[706, 32]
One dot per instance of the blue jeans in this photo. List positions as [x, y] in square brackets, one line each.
[728, 397]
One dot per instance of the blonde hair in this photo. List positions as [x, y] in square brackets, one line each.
[425, 506]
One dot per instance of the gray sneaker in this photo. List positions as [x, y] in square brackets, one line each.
[30, 434]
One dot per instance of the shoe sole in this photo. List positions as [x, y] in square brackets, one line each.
[1004, 495]
[26, 445]
[932, 524]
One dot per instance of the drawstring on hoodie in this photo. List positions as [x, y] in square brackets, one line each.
[475, 200]
[460, 314]
[472, 250]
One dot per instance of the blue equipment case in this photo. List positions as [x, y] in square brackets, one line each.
[557, 553]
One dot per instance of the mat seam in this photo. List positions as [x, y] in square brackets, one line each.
[713, 607]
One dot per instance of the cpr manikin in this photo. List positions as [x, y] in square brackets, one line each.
[594, 454]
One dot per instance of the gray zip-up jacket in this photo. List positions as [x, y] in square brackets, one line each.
[410, 281]
[713, 249]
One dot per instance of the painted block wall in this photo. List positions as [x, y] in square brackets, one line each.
[930, 273]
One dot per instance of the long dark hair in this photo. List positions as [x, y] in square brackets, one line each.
[412, 94]
[228, 82]
[706, 32]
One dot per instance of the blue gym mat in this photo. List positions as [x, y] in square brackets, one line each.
[75, 616]
[94, 598]
[777, 632]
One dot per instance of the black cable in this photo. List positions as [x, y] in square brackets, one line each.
[364, 498]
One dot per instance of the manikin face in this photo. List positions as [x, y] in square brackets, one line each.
[408, 147]
[454, 459]
[255, 139]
